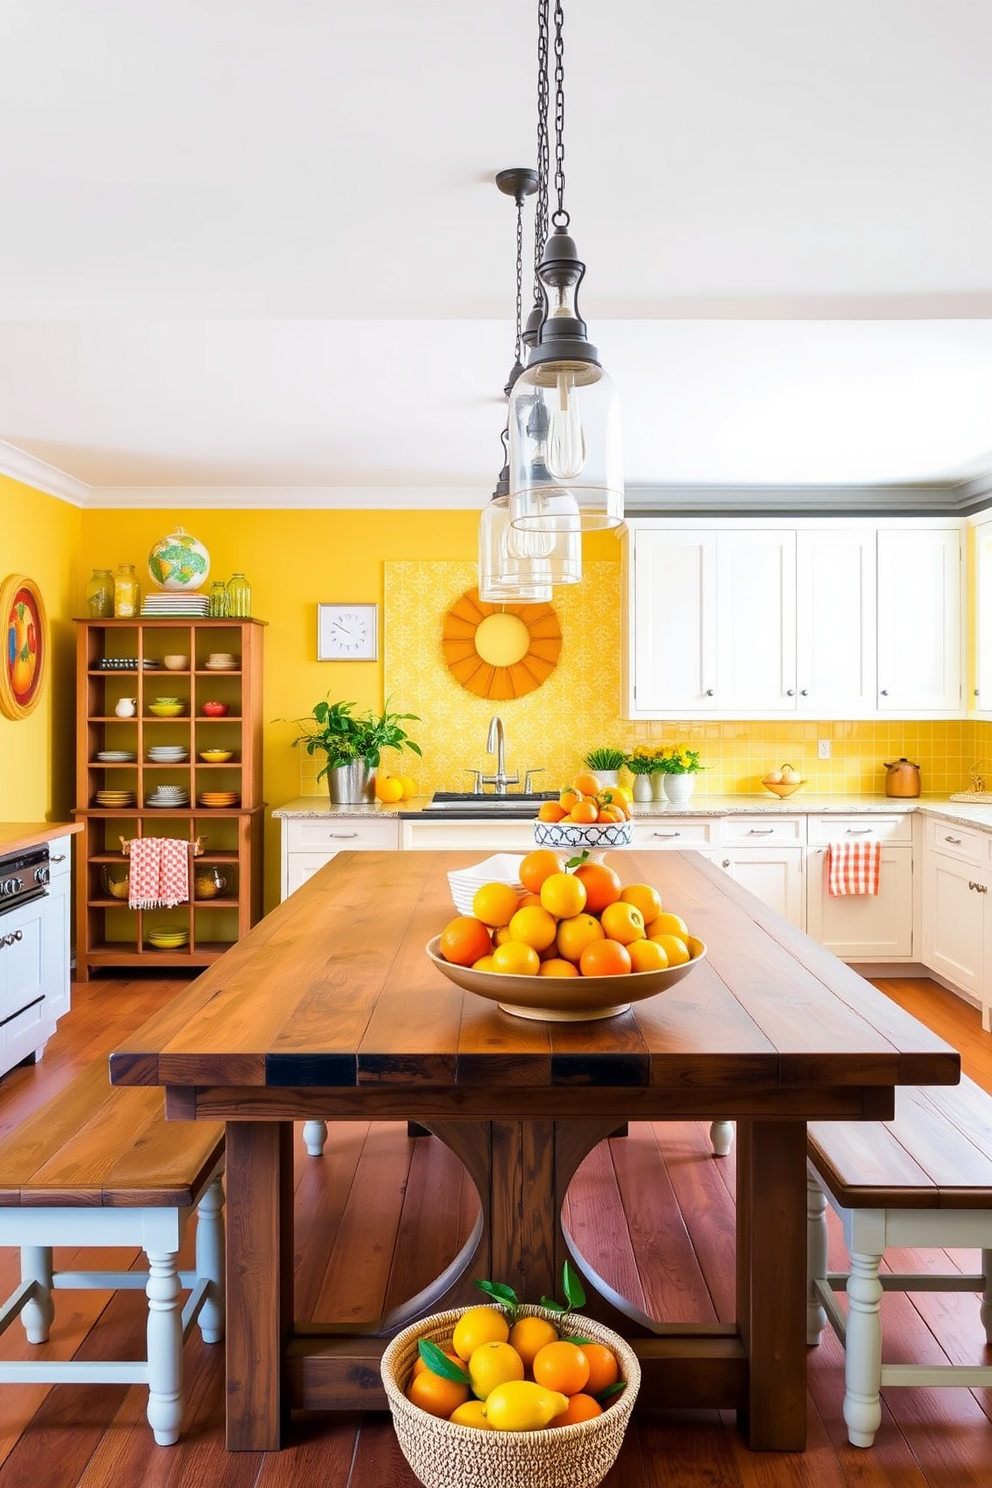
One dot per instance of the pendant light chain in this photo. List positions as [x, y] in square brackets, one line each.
[560, 217]
[517, 346]
[541, 206]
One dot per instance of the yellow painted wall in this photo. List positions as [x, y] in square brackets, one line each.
[40, 538]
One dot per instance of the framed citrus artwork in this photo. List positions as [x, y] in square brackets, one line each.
[25, 646]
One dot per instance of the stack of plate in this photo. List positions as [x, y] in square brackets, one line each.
[503, 868]
[168, 937]
[175, 602]
[113, 800]
[218, 798]
[125, 664]
[116, 756]
[167, 754]
[221, 661]
[168, 795]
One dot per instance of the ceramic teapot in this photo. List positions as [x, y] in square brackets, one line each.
[902, 778]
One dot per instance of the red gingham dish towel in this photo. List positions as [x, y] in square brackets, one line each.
[158, 875]
[852, 867]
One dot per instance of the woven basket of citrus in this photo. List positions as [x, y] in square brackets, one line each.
[510, 1395]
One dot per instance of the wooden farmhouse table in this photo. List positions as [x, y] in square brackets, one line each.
[329, 1009]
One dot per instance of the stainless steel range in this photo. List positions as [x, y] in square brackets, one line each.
[23, 876]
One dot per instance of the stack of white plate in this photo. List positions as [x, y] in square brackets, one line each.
[116, 756]
[167, 754]
[503, 868]
[168, 795]
[175, 602]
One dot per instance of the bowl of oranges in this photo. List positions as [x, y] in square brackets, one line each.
[587, 814]
[578, 945]
[519, 1403]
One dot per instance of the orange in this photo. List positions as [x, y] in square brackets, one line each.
[526, 899]
[603, 1367]
[576, 933]
[563, 895]
[581, 1407]
[534, 926]
[478, 1325]
[674, 948]
[624, 792]
[515, 958]
[602, 885]
[501, 935]
[667, 924]
[539, 865]
[550, 811]
[647, 955]
[554, 966]
[472, 1413]
[493, 1364]
[495, 903]
[610, 814]
[409, 786]
[645, 898]
[485, 963]
[388, 787]
[587, 785]
[464, 940]
[435, 1395]
[569, 796]
[604, 958]
[561, 1366]
[529, 1334]
[584, 811]
[623, 922]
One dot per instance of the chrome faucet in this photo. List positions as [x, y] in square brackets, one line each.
[496, 744]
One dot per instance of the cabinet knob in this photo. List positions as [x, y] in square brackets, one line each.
[58, 858]
[725, 863]
[884, 692]
[709, 692]
[790, 692]
[804, 692]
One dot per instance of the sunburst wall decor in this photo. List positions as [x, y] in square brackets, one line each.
[500, 651]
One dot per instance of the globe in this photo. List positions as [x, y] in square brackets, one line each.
[179, 561]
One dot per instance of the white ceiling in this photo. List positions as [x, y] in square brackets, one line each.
[258, 243]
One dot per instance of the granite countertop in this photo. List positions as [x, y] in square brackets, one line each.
[16, 836]
[967, 813]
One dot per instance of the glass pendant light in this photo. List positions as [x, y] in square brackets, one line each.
[566, 469]
[516, 565]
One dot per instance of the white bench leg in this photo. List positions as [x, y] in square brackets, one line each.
[863, 1351]
[38, 1312]
[721, 1137]
[210, 1260]
[165, 1348]
[816, 1258]
[314, 1137]
[987, 1294]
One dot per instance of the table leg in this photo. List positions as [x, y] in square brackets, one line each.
[259, 1181]
[771, 1281]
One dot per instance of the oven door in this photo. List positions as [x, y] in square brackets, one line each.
[25, 1022]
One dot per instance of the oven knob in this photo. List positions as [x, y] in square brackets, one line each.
[41, 875]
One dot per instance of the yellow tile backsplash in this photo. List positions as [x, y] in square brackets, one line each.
[578, 707]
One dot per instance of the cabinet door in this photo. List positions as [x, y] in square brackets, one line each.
[864, 927]
[56, 946]
[955, 895]
[672, 602]
[773, 874]
[27, 1020]
[835, 622]
[756, 622]
[919, 621]
[982, 634]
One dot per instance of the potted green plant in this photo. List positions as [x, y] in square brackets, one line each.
[352, 744]
[606, 764]
[678, 766]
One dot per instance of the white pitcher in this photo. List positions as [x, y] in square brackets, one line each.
[126, 707]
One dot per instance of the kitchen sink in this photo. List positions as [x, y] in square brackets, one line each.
[469, 804]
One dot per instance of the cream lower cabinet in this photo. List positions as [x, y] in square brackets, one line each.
[432, 835]
[863, 927]
[34, 965]
[957, 936]
[765, 855]
[310, 842]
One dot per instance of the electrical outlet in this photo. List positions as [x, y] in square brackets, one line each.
[823, 748]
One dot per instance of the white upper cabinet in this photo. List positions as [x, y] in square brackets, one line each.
[919, 621]
[982, 698]
[836, 620]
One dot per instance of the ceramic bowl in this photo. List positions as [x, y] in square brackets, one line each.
[782, 788]
[575, 834]
[214, 710]
[165, 710]
[216, 756]
[565, 999]
[176, 663]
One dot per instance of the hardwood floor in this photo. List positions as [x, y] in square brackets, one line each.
[381, 1214]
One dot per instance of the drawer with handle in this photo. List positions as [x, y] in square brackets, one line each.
[308, 834]
[764, 831]
[866, 828]
[688, 833]
[964, 843]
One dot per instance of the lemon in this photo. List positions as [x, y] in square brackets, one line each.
[520, 1405]
[477, 1326]
[493, 1364]
[472, 1413]
[674, 947]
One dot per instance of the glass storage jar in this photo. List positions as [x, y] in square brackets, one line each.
[238, 596]
[208, 882]
[217, 601]
[100, 595]
[114, 878]
[127, 592]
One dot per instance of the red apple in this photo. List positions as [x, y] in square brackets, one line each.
[214, 710]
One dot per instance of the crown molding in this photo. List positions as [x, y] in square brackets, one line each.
[931, 499]
[31, 471]
[289, 498]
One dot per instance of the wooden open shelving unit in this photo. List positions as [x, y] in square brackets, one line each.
[108, 933]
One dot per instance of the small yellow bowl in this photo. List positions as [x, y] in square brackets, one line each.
[165, 710]
[782, 788]
[216, 756]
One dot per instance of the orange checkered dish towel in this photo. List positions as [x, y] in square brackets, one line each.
[158, 875]
[852, 867]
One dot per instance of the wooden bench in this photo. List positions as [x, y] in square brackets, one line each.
[924, 1179]
[99, 1165]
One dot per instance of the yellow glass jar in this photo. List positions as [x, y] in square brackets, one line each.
[127, 592]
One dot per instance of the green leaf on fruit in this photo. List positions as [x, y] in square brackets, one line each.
[574, 1294]
[438, 1362]
[501, 1293]
[572, 863]
[611, 1390]
[550, 1305]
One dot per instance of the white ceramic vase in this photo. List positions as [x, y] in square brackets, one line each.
[642, 788]
[679, 788]
[658, 786]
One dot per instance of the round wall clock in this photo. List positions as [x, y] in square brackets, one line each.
[25, 646]
[500, 651]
